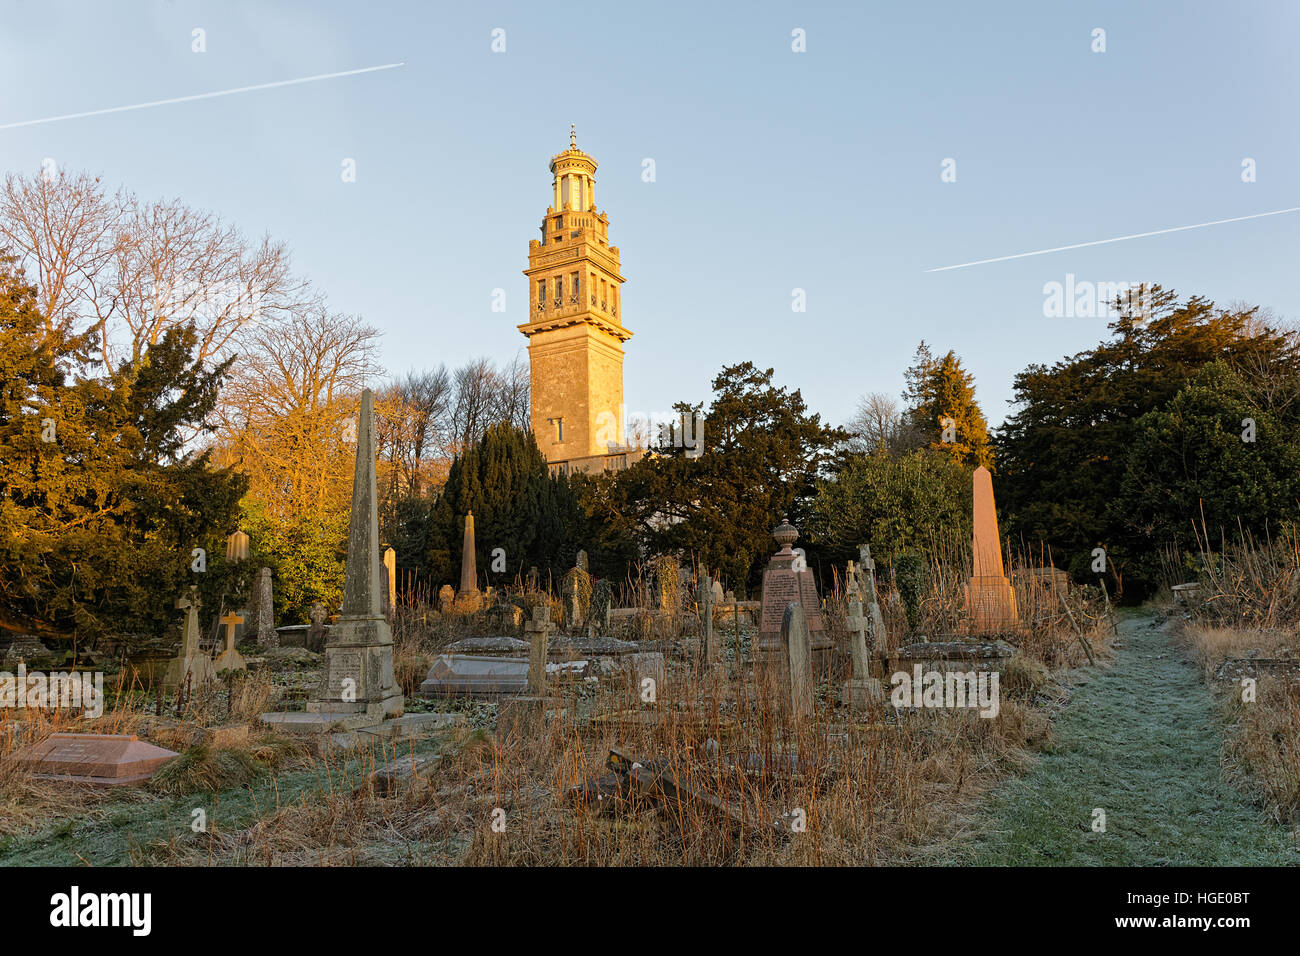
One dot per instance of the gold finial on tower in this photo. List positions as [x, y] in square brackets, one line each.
[573, 136]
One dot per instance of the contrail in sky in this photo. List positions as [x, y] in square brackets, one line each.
[202, 96]
[1102, 242]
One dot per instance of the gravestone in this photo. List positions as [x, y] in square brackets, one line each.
[264, 611]
[862, 689]
[358, 668]
[712, 652]
[315, 639]
[783, 584]
[576, 590]
[471, 675]
[581, 561]
[230, 659]
[990, 600]
[602, 603]
[468, 597]
[390, 569]
[539, 632]
[190, 666]
[25, 648]
[446, 598]
[797, 639]
[101, 760]
[876, 637]
[531, 580]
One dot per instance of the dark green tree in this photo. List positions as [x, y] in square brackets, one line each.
[759, 455]
[942, 413]
[1062, 455]
[518, 507]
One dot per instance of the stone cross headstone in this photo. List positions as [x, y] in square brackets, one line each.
[230, 659]
[539, 630]
[390, 567]
[852, 582]
[862, 689]
[358, 668]
[781, 585]
[468, 595]
[190, 664]
[712, 652]
[867, 568]
[264, 611]
[798, 647]
[315, 640]
[990, 599]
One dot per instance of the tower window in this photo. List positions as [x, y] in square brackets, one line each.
[559, 289]
[559, 428]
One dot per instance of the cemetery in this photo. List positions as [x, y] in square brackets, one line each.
[328, 539]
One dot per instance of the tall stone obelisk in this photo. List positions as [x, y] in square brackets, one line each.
[990, 598]
[358, 676]
[468, 596]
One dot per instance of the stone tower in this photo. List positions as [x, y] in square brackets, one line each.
[575, 333]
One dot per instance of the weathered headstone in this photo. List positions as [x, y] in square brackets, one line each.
[190, 666]
[358, 677]
[990, 599]
[712, 652]
[264, 611]
[230, 659]
[877, 639]
[446, 598]
[390, 569]
[24, 647]
[468, 597]
[539, 631]
[576, 591]
[581, 561]
[781, 585]
[863, 689]
[315, 640]
[797, 639]
[602, 603]
[102, 760]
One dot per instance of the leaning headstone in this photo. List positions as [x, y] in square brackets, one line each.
[797, 639]
[539, 631]
[264, 611]
[468, 597]
[315, 640]
[990, 599]
[190, 666]
[781, 585]
[358, 678]
[101, 760]
[230, 659]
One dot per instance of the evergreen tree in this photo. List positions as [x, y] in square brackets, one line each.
[942, 412]
[518, 507]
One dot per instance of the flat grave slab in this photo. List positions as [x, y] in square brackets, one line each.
[100, 760]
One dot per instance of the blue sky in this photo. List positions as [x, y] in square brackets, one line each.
[775, 170]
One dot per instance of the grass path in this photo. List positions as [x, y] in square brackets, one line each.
[1140, 740]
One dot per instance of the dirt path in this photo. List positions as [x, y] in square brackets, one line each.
[1139, 740]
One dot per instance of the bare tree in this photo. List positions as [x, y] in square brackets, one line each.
[877, 424]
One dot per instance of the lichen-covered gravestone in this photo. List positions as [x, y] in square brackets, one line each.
[190, 667]
[798, 647]
[264, 611]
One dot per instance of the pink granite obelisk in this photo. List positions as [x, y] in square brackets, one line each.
[990, 599]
